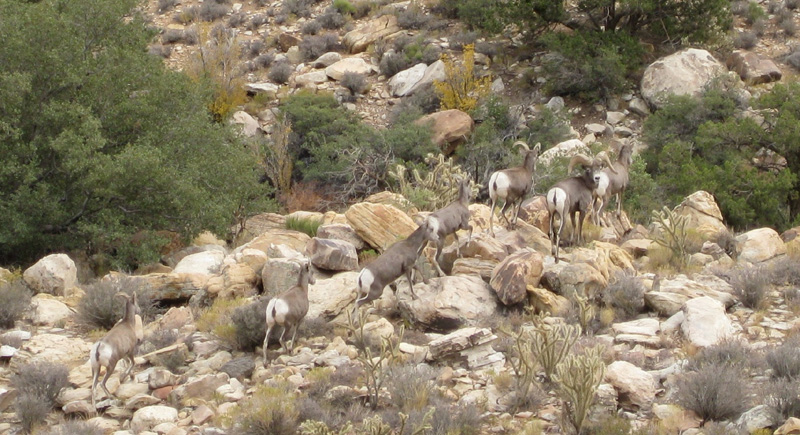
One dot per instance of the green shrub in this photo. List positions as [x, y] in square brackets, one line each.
[269, 410]
[280, 72]
[15, 298]
[331, 19]
[625, 295]
[356, 83]
[590, 65]
[751, 286]
[714, 392]
[41, 379]
[308, 225]
[344, 6]
[250, 322]
[784, 359]
[74, 427]
[31, 410]
[754, 13]
[100, 308]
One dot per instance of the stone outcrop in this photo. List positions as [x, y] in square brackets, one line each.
[53, 274]
[759, 245]
[686, 72]
[752, 68]
[450, 302]
[450, 128]
[358, 39]
[331, 254]
[511, 278]
[705, 322]
[379, 225]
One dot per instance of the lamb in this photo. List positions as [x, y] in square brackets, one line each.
[573, 196]
[120, 342]
[613, 181]
[511, 185]
[397, 260]
[448, 220]
[289, 308]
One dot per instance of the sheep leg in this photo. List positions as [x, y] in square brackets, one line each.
[561, 221]
[282, 340]
[581, 217]
[503, 211]
[516, 215]
[469, 237]
[109, 370]
[266, 342]
[491, 217]
[130, 369]
[294, 335]
[574, 229]
[619, 203]
[95, 376]
[410, 278]
[439, 246]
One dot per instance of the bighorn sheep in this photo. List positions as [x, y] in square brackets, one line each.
[289, 308]
[398, 259]
[120, 342]
[572, 196]
[513, 184]
[613, 181]
[448, 220]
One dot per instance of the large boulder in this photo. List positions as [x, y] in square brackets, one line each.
[379, 225]
[48, 310]
[330, 254]
[235, 280]
[341, 232]
[249, 126]
[53, 274]
[759, 245]
[753, 68]
[588, 271]
[279, 275]
[545, 301]
[482, 247]
[635, 387]
[511, 278]
[201, 263]
[149, 417]
[277, 236]
[702, 213]
[567, 148]
[673, 292]
[450, 302]
[327, 298]
[355, 65]
[434, 72]
[170, 287]
[686, 72]
[705, 322]
[358, 39]
[402, 82]
[450, 128]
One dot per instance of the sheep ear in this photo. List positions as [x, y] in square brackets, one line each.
[419, 220]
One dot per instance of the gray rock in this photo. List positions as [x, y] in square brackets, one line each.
[686, 72]
[402, 82]
[450, 302]
[341, 232]
[331, 254]
[52, 274]
[326, 60]
[706, 322]
[239, 368]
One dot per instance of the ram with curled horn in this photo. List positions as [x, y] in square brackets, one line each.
[513, 184]
[573, 197]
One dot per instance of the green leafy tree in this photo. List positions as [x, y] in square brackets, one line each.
[100, 141]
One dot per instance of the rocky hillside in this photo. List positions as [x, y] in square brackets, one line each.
[679, 326]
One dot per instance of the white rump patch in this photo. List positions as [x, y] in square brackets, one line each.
[102, 352]
[498, 185]
[556, 199]
[434, 224]
[280, 308]
[602, 184]
[365, 280]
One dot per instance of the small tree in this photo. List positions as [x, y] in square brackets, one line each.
[461, 89]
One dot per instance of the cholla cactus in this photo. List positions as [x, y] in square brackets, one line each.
[578, 377]
[435, 188]
[551, 343]
[672, 234]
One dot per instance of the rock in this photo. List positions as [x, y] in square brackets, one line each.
[514, 274]
[161, 378]
[758, 418]
[266, 88]
[473, 266]
[752, 68]
[239, 368]
[545, 301]
[341, 232]
[326, 60]
[79, 408]
[640, 331]
[261, 223]
[354, 65]
[471, 344]
[434, 72]
[759, 245]
[701, 285]
[639, 107]
[199, 387]
[635, 387]
[664, 303]
[379, 225]
[676, 419]
[449, 128]
[327, 298]
[53, 274]
[140, 401]
[249, 125]
[375, 332]
[357, 40]
[706, 322]
[637, 247]
[201, 263]
[279, 275]
[403, 81]
[274, 236]
[202, 414]
[703, 214]
[235, 280]
[48, 310]
[54, 347]
[330, 254]
[567, 148]
[450, 302]
[150, 416]
[614, 118]
[311, 78]
[482, 246]
[791, 426]
[686, 72]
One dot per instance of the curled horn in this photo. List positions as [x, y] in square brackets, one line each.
[537, 147]
[522, 144]
[579, 159]
[602, 158]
